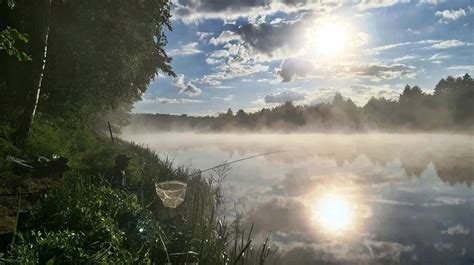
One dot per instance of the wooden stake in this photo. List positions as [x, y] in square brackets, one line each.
[110, 131]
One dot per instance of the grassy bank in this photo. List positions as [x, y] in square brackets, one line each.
[79, 219]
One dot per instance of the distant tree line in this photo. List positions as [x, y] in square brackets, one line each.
[449, 107]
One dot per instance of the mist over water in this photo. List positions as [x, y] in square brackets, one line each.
[344, 198]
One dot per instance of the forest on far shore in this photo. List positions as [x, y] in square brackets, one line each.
[449, 107]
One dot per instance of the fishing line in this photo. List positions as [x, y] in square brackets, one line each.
[238, 160]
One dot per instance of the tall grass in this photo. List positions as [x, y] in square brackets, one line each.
[211, 239]
[83, 220]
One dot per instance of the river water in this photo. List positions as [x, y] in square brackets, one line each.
[344, 198]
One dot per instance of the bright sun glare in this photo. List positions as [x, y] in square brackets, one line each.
[334, 213]
[331, 38]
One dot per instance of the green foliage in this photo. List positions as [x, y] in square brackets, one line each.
[11, 182]
[87, 224]
[87, 151]
[456, 95]
[6, 146]
[147, 167]
[47, 139]
[10, 3]
[101, 55]
[8, 38]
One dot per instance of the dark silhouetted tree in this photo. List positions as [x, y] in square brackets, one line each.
[101, 56]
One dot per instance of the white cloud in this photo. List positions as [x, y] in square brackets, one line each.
[382, 48]
[285, 96]
[431, 2]
[370, 4]
[268, 80]
[226, 98]
[294, 68]
[442, 246]
[304, 69]
[456, 230]
[442, 201]
[187, 49]
[379, 49]
[438, 44]
[423, 44]
[392, 250]
[467, 68]
[222, 87]
[168, 101]
[229, 10]
[219, 54]
[187, 88]
[224, 37]
[232, 69]
[450, 44]
[203, 35]
[450, 15]
[178, 100]
[414, 31]
[329, 252]
[405, 58]
[212, 61]
[381, 71]
[438, 57]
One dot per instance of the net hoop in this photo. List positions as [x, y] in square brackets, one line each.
[171, 192]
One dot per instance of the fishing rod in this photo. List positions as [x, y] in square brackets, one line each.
[214, 167]
[236, 161]
[143, 186]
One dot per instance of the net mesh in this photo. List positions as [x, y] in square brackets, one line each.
[171, 193]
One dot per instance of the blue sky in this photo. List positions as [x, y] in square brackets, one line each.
[249, 54]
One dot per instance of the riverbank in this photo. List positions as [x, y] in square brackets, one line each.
[78, 217]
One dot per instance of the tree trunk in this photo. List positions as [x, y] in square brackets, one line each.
[31, 103]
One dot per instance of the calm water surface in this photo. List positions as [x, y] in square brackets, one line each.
[345, 199]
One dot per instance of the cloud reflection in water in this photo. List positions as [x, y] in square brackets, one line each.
[396, 199]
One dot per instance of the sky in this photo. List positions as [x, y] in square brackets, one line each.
[251, 54]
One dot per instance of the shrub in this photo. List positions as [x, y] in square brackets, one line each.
[88, 224]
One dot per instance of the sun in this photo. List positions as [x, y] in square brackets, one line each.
[330, 38]
[334, 213]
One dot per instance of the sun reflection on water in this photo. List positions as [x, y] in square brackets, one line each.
[334, 213]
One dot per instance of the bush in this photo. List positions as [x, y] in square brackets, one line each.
[6, 147]
[88, 224]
